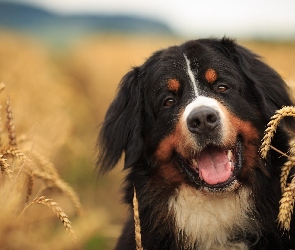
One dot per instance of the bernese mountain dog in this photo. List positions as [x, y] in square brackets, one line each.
[189, 122]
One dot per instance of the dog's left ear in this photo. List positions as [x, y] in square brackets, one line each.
[122, 127]
[271, 91]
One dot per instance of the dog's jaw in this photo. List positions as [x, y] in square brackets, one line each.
[214, 169]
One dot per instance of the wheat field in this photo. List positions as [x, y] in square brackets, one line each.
[51, 106]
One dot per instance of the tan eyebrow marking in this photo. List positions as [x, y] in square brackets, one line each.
[211, 75]
[173, 85]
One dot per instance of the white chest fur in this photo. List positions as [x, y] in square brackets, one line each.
[210, 221]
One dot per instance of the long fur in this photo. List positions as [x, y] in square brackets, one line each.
[174, 213]
[226, 215]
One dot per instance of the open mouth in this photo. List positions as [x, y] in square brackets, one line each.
[214, 169]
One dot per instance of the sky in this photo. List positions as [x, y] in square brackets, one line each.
[238, 18]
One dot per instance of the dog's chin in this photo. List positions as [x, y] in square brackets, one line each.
[214, 168]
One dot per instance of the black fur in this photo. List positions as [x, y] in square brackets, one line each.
[136, 123]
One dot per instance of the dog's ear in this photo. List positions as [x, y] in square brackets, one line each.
[270, 90]
[121, 129]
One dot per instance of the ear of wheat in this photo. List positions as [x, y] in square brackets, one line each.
[19, 170]
[288, 189]
[58, 212]
[272, 127]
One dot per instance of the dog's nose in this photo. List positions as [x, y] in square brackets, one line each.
[203, 120]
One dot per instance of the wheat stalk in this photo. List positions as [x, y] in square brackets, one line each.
[136, 222]
[58, 212]
[53, 181]
[13, 151]
[30, 184]
[40, 168]
[286, 206]
[272, 127]
[288, 190]
[5, 167]
[288, 165]
[10, 124]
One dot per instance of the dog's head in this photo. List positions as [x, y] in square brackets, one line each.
[194, 113]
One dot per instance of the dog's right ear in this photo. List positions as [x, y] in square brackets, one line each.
[122, 128]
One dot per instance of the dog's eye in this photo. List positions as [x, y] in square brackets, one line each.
[222, 88]
[169, 102]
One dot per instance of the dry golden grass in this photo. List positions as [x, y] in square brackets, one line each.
[58, 99]
[21, 172]
[52, 119]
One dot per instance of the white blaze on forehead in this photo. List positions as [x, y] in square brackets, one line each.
[191, 75]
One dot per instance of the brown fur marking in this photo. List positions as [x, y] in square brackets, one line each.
[250, 144]
[171, 174]
[211, 75]
[173, 85]
[179, 140]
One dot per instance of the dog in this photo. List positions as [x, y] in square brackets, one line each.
[189, 122]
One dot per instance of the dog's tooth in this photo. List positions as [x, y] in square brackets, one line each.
[232, 167]
[195, 164]
[230, 155]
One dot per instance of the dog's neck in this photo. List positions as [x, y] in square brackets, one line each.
[214, 221]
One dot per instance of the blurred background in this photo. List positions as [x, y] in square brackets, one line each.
[61, 62]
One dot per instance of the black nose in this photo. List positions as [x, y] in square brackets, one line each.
[203, 120]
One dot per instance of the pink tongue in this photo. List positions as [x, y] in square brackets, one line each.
[214, 166]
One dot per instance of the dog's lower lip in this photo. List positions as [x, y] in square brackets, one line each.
[221, 185]
[192, 171]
